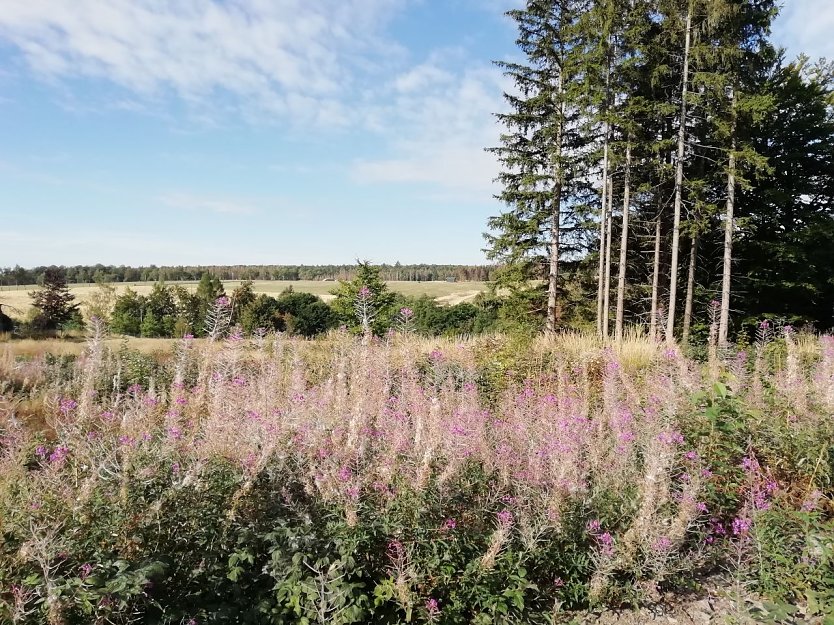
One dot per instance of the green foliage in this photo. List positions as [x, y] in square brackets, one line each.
[126, 317]
[304, 314]
[380, 302]
[54, 303]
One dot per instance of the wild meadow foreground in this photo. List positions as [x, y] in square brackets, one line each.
[398, 479]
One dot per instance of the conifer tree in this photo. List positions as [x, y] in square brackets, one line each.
[543, 162]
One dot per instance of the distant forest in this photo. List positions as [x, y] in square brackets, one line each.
[86, 274]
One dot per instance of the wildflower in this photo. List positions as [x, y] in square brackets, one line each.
[750, 465]
[41, 451]
[559, 582]
[126, 440]
[448, 525]
[701, 507]
[175, 468]
[692, 456]
[365, 293]
[345, 474]
[134, 388]
[594, 526]
[67, 405]
[741, 526]
[182, 401]
[174, 433]
[811, 503]
[432, 607]
[59, 454]
[505, 517]
[662, 545]
[436, 355]
[85, 570]
[406, 313]
[223, 301]
[672, 437]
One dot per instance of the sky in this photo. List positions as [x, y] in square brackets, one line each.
[261, 131]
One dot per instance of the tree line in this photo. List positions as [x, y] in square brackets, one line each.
[89, 274]
[361, 305]
[663, 164]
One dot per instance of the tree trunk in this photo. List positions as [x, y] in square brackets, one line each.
[676, 228]
[724, 322]
[655, 281]
[603, 227]
[606, 296]
[555, 222]
[618, 328]
[690, 288]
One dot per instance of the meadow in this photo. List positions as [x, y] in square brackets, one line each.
[17, 299]
[358, 479]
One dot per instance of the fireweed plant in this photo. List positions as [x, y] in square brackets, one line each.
[269, 479]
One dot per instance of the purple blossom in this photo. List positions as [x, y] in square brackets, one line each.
[41, 451]
[432, 607]
[365, 293]
[59, 455]
[594, 526]
[223, 301]
[134, 389]
[671, 437]
[741, 526]
[345, 474]
[662, 545]
[85, 570]
[174, 433]
[449, 524]
[406, 313]
[505, 517]
[811, 503]
[67, 405]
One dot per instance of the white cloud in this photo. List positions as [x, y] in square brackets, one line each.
[221, 206]
[449, 121]
[806, 26]
[288, 57]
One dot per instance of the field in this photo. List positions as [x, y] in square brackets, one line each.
[450, 293]
[360, 480]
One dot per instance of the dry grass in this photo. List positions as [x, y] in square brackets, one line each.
[35, 348]
[18, 302]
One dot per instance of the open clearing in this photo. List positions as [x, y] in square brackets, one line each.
[17, 299]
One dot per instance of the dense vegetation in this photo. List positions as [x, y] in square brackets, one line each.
[659, 155]
[84, 274]
[359, 480]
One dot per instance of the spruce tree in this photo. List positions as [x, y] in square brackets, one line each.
[542, 155]
[55, 304]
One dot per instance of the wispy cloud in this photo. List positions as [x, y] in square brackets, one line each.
[220, 206]
[438, 124]
[289, 57]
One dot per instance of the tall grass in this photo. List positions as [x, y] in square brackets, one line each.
[272, 480]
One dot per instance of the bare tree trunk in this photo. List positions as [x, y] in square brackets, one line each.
[604, 224]
[724, 320]
[655, 281]
[618, 328]
[603, 227]
[676, 228]
[690, 288]
[607, 292]
[555, 224]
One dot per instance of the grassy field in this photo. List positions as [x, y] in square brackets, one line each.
[17, 298]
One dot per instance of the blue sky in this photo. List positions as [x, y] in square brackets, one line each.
[260, 131]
